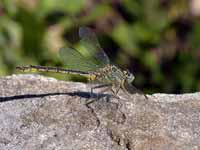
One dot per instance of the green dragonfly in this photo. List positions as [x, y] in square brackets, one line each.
[96, 66]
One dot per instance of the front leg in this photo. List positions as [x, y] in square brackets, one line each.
[115, 89]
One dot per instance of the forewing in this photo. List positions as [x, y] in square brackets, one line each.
[73, 59]
[90, 42]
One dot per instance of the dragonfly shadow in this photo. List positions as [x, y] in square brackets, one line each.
[86, 95]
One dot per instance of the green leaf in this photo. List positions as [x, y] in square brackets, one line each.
[68, 6]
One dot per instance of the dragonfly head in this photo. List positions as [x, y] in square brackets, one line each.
[129, 77]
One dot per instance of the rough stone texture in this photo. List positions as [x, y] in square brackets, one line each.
[37, 113]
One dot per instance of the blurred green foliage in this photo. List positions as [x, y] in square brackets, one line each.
[158, 40]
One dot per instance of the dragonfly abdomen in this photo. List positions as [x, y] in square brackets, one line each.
[33, 68]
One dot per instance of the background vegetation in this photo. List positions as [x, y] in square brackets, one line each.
[157, 40]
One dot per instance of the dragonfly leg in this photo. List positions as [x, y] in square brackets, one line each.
[92, 95]
[131, 89]
[142, 93]
[115, 90]
[100, 86]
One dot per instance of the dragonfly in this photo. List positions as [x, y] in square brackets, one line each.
[96, 67]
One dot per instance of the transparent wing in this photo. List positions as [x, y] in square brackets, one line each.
[90, 42]
[132, 89]
[73, 59]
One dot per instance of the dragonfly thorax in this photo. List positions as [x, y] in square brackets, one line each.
[111, 74]
[122, 75]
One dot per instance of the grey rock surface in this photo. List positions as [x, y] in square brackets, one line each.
[41, 113]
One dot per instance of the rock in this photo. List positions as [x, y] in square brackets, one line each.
[39, 113]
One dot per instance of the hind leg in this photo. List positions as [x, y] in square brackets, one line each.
[96, 96]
